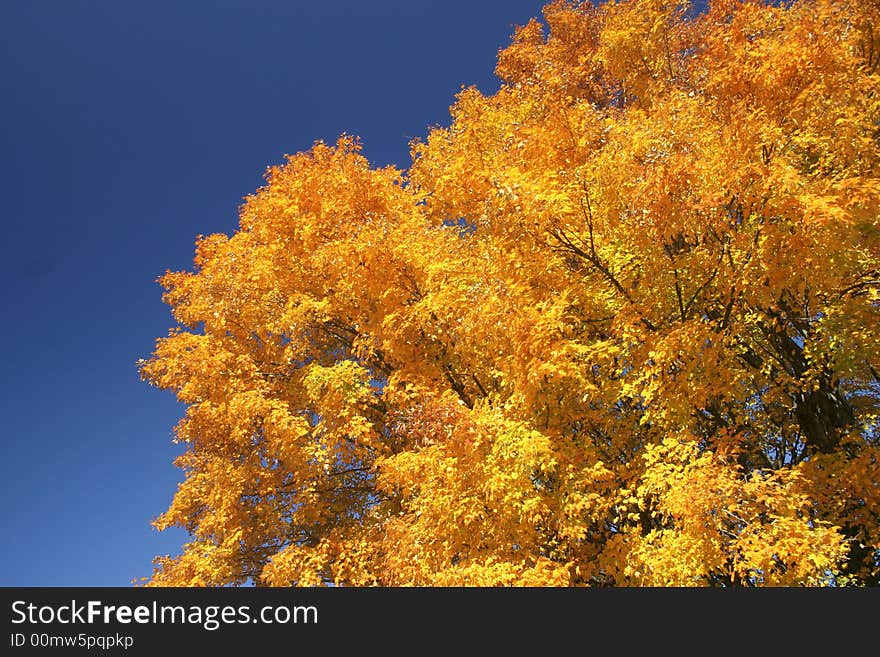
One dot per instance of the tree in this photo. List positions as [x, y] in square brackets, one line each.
[617, 324]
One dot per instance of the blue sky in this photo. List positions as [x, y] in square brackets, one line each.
[126, 129]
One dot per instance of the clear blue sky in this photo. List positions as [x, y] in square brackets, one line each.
[126, 129]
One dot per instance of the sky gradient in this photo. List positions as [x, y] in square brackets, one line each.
[126, 130]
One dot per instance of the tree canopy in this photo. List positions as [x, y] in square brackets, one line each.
[618, 324]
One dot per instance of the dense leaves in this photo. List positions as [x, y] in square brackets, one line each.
[618, 324]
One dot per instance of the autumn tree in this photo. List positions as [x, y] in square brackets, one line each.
[617, 324]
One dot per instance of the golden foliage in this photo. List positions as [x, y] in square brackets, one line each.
[616, 325]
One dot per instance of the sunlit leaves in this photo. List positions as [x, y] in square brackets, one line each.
[616, 325]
